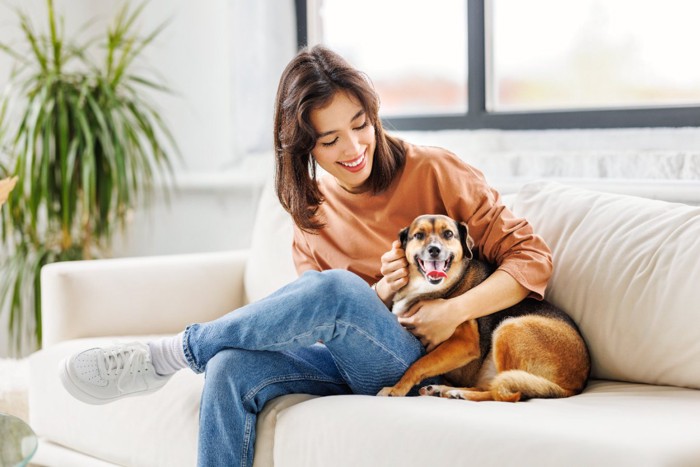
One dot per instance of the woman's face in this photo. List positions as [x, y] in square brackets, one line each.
[345, 141]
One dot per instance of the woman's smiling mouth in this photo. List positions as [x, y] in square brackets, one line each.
[355, 164]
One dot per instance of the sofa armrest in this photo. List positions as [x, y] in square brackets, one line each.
[138, 296]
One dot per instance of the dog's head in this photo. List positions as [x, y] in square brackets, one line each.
[434, 244]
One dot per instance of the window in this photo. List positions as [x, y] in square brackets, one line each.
[418, 79]
[622, 53]
[518, 65]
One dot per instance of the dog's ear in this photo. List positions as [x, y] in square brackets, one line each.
[403, 237]
[466, 240]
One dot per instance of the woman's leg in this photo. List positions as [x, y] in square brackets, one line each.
[267, 349]
[239, 383]
[369, 347]
[336, 307]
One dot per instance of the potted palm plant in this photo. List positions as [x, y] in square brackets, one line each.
[86, 149]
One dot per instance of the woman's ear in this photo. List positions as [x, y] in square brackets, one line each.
[465, 240]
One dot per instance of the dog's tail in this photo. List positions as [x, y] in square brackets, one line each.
[515, 385]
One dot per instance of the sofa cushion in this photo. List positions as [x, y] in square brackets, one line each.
[611, 424]
[270, 264]
[626, 269]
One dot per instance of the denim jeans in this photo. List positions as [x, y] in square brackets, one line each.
[273, 347]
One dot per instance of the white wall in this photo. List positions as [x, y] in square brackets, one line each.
[192, 56]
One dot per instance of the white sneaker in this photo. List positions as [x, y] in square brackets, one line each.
[102, 375]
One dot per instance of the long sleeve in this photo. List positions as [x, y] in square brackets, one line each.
[500, 237]
[301, 254]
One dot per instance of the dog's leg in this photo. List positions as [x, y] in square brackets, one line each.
[485, 374]
[449, 392]
[536, 356]
[455, 352]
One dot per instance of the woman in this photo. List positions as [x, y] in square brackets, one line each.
[330, 332]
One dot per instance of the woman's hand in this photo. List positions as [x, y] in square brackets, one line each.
[434, 321]
[395, 271]
[431, 321]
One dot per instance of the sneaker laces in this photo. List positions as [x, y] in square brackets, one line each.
[125, 362]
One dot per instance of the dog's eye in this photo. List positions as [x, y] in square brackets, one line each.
[419, 235]
[448, 234]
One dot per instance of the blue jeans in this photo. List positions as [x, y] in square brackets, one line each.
[272, 347]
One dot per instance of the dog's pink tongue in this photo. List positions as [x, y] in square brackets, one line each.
[436, 274]
[435, 269]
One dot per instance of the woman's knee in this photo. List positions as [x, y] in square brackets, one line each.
[339, 282]
[227, 368]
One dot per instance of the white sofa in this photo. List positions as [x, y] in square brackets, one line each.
[627, 269]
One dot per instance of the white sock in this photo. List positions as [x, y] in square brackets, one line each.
[167, 354]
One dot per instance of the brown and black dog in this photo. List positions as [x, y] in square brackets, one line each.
[530, 350]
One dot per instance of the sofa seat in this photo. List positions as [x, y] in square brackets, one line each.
[611, 423]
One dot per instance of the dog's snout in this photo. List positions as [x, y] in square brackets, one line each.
[433, 251]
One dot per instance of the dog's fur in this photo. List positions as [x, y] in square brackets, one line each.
[530, 350]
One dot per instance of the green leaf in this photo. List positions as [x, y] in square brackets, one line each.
[33, 40]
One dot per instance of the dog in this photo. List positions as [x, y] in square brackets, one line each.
[530, 350]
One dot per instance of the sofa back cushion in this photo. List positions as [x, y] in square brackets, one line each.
[270, 264]
[627, 270]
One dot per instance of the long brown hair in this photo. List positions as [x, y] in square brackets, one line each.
[309, 82]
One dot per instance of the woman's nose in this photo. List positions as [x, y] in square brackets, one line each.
[352, 147]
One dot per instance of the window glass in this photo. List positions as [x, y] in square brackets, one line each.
[414, 51]
[554, 54]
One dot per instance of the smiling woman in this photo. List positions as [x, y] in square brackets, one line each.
[346, 141]
[308, 125]
[345, 221]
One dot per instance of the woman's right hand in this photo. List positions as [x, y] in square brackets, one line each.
[395, 271]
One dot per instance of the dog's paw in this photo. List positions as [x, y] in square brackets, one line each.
[394, 391]
[453, 394]
[432, 390]
[447, 392]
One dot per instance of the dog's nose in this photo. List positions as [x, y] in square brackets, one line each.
[433, 251]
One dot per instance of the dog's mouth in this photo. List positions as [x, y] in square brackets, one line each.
[434, 271]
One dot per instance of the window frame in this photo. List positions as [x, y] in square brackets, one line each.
[478, 117]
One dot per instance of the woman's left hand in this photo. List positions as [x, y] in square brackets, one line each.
[431, 321]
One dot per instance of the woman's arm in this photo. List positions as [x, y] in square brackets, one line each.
[434, 321]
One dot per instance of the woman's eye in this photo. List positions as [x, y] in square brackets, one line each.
[331, 143]
[448, 234]
[363, 126]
